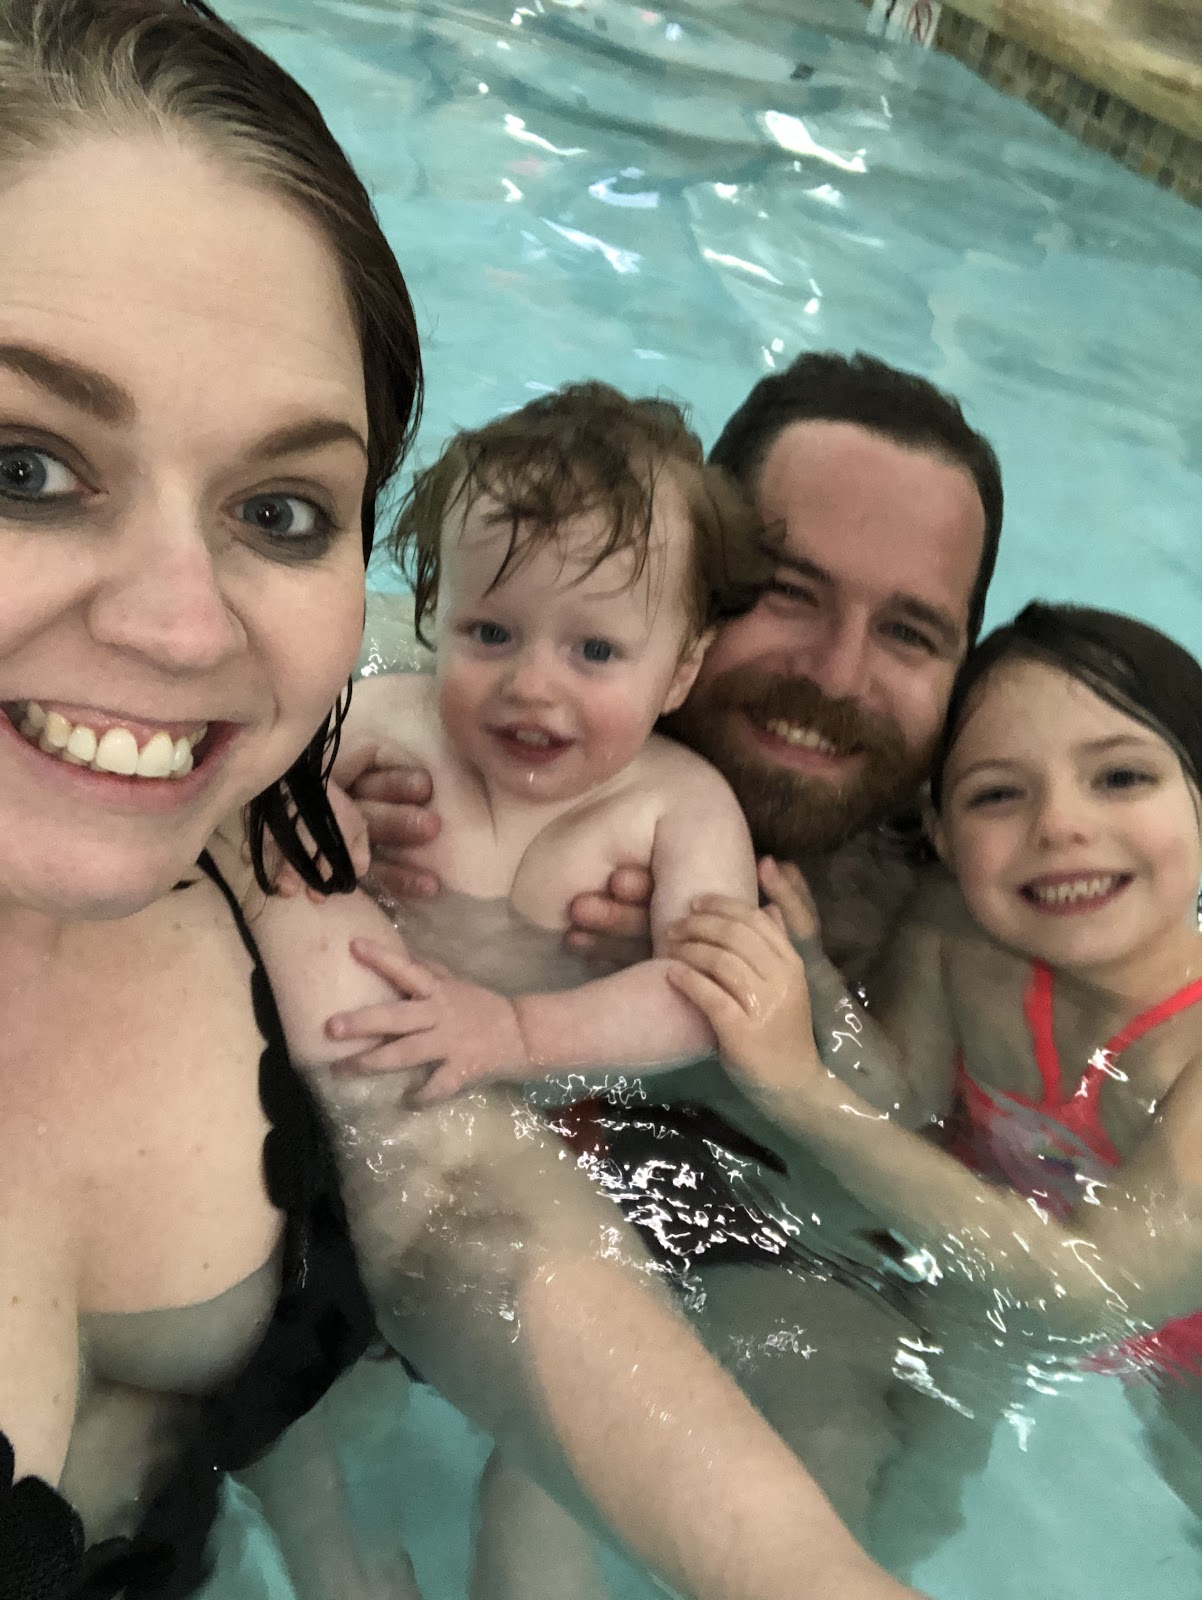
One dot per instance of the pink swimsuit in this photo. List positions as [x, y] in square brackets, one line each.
[1052, 1149]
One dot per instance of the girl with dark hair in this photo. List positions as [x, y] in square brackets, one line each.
[208, 371]
[1041, 1002]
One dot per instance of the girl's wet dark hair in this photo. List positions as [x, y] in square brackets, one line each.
[1131, 666]
[74, 68]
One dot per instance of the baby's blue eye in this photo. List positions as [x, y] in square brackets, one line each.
[492, 633]
[597, 650]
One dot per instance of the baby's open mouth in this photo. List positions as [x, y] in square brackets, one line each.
[123, 751]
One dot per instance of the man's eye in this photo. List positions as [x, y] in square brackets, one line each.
[913, 638]
[34, 476]
[490, 633]
[597, 650]
[286, 516]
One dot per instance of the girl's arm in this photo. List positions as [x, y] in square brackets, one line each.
[1131, 1252]
[633, 1019]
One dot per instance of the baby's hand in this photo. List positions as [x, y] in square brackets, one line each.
[741, 971]
[460, 1033]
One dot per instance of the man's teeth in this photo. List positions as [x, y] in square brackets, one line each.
[116, 750]
[1059, 894]
[798, 733]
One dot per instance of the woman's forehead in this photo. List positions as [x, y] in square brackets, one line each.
[174, 275]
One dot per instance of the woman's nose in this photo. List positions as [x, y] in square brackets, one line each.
[163, 598]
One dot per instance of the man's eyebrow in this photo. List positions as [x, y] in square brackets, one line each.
[80, 386]
[940, 622]
[309, 434]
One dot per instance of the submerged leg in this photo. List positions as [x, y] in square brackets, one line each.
[527, 1546]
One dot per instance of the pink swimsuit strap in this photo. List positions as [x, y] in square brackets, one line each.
[1079, 1111]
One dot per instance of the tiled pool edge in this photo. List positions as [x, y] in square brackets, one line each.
[1091, 113]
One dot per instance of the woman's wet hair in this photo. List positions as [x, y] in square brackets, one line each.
[72, 69]
[1131, 666]
[585, 449]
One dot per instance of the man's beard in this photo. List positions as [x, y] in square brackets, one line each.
[791, 814]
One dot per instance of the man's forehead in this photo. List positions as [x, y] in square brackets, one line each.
[862, 507]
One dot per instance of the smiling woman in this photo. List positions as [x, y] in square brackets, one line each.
[208, 371]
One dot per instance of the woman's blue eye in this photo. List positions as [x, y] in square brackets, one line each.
[492, 633]
[33, 475]
[597, 650]
[285, 516]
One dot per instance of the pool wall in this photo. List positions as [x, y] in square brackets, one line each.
[1123, 76]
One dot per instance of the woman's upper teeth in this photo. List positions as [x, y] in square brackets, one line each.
[115, 750]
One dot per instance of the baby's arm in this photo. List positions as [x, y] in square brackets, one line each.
[634, 1018]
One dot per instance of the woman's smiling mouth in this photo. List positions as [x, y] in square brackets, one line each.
[109, 744]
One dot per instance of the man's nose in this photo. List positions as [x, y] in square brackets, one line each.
[837, 658]
[163, 597]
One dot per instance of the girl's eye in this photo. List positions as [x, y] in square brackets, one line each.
[490, 633]
[795, 592]
[286, 516]
[1124, 778]
[597, 650]
[34, 476]
[997, 794]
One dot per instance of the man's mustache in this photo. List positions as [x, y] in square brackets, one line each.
[768, 696]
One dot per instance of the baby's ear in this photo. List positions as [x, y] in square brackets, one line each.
[686, 672]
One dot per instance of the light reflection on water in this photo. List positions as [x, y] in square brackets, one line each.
[680, 199]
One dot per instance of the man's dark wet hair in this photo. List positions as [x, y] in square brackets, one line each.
[1133, 667]
[823, 386]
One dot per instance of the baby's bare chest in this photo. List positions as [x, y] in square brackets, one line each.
[539, 862]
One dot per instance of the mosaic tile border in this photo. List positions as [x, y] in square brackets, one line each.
[1096, 117]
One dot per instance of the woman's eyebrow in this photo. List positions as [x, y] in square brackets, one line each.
[80, 386]
[309, 434]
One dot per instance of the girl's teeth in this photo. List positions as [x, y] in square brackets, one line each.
[116, 750]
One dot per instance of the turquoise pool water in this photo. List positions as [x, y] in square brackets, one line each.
[678, 200]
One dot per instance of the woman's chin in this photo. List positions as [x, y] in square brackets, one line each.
[98, 882]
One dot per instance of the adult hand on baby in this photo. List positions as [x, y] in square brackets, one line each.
[740, 969]
[461, 1033]
[394, 795]
[613, 928]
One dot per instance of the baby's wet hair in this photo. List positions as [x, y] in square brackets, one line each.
[1130, 665]
[582, 449]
